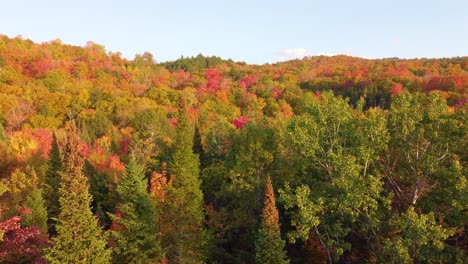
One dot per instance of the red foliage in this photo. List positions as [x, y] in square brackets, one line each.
[213, 77]
[114, 163]
[85, 150]
[115, 226]
[239, 122]
[173, 121]
[108, 163]
[396, 89]
[38, 68]
[125, 146]
[461, 102]
[318, 94]
[193, 112]
[21, 245]
[181, 78]
[171, 109]
[44, 140]
[276, 93]
[447, 83]
[248, 81]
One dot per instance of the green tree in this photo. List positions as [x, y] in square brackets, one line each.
[52, 185]
[135, 239]
[415, 238]
[269, 247]
[38, 215]
[79, 239]
[342, 189]
[183, 208]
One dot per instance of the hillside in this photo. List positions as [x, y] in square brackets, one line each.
[367, 158]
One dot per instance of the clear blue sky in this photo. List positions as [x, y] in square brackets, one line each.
[247, 30]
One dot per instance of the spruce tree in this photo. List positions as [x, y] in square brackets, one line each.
[185, 243]
[136, 238]
[79, 238]
[269, 247]
[52, 185]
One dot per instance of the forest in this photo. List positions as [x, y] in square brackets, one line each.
[336, 159]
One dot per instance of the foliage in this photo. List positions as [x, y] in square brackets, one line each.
[21, 244]
[368, 156]
[135, 238]
[79, 237]
[38, 216]
[51, 185]
[185, 243]
[269, 245]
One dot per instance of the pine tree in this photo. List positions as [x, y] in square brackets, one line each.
[269, 245]
[79, 239]
[136, 240]
[38, 215]
[185, 243]
[52, 185]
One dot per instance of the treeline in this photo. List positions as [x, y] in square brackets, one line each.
[320, 160]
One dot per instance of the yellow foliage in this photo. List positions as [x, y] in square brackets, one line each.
[21, 184]
[127, 131]
[47, 122]
[22, 145]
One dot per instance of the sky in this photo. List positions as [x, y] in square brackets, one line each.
[247, 30]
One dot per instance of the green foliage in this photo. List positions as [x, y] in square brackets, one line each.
[135, 239]
[339, 145]
[305, 216]
[52, 185]
[96, 126]
[102, 189]
[186, 242]
[192, 64]
[79, 238]
[369, 155]
[38, 215]
[415, 238]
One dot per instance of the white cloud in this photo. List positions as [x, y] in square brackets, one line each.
[298, 53]
[290, 54]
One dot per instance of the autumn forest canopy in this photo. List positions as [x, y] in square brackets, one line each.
[337, 159]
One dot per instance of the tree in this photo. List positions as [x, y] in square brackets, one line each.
[338, 147]
[136, 238]
[21, 244]
[414, 238]
[79, 237]
[52, 185]
[38, 215]
[269, 245]
[183, 206]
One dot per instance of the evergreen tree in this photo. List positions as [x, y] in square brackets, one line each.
[184, 198]
[38, 215]
[52, 185]
[135, 240]
[79, 239]
[102, 188]
[269, 245]
[197, 141]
